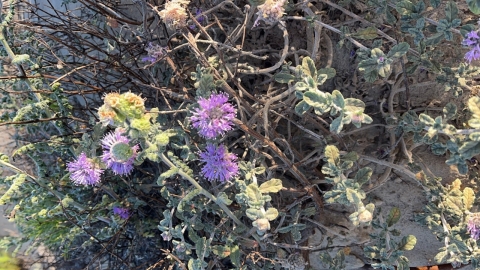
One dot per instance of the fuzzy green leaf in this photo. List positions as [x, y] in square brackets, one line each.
[474, 6]
[271, 213]
[407, 242]
[284, 77]
[451, 11]
[223, 197]
[302, 107]
[449, 111]
[332, 154]
[235, 256]
[319, 100]
[398, 50]
[367, 33]
[273, 185]
[363, 175]
[469, 149]
[393, 216]
[308, 67]
[468, 198]
[330, 72]
[337, 124]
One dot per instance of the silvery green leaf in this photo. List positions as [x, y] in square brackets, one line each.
[426, 119]
[302, 107]
[367, 33]
[338, 101]
[407, 242]
[398, 50]
[405, 7]
[273, 185]
[253, 214]
[321, 101]
[468, 198]
[330, 72]
[474, 6]
[284, 77]
[308, 67]
[393, 216]
[469, 149]
[474, 136]
[451, 11]
[363, 175]
[376, 53]
[337, 124]
[253, 192]
[271, 213]
[223, 197]
[235, 256]
[438, 149]
[332, 154]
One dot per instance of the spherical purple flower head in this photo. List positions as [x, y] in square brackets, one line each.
[84, 171]
[214, 117]
[219, 164]
[473, 226]
[118, 155]
[122, 212]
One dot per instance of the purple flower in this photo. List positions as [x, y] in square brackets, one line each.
[84, 171]
[214, 117]
[473, 226]
[155, 53]
[219, 164]
[472, 40]
[122, 212]
[118, 155]
[473, 54]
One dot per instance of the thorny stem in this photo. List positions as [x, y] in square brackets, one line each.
[202, 190]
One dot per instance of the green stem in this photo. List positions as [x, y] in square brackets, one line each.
[202, 190]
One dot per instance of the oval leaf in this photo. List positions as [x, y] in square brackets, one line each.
[407, 243]
[273, 185]
[393, 216]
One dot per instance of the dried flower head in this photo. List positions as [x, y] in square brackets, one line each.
[214, 117]
[118, 155]
[122, 212]
[473, 226]
[270, 12]
[472, 40]
[112, 100]
[175, 14]
[84, 171]
[219, 164]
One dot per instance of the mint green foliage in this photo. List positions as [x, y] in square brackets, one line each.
[446, 215]
[379, 63]
[254, 197]
[307, 80]
[386, 253]
[461, 144]
[347, 191]
[474, 6]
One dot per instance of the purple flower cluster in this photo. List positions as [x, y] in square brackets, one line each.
[472, 40]
[122, 212]
[473, 226]
[219, 164]
[117, 153]
[214, 117]
[155, 53]
[84, 171]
